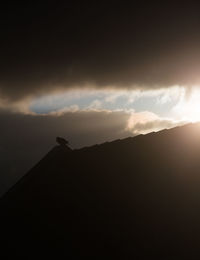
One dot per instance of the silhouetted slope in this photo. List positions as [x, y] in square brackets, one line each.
[58, 152]
[135, 198]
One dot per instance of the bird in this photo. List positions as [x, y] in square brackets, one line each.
[61, 141]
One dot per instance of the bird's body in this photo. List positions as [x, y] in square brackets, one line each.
[61, 141]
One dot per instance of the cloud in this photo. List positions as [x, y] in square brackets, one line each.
[61, 112]
[155, 125]
[74, 45]
[158, 101]
[146, 122]
[96, 104]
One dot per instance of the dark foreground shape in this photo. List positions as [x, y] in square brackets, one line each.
[137, 198]
[61, 141]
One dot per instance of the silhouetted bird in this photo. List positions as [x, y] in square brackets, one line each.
[61, 141]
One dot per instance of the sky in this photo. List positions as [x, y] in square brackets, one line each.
[93, 72]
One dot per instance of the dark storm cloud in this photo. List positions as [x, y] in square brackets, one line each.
[112, 44]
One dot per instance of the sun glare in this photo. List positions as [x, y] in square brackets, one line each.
[189, 107]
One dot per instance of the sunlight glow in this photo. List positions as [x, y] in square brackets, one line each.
[188, 107]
